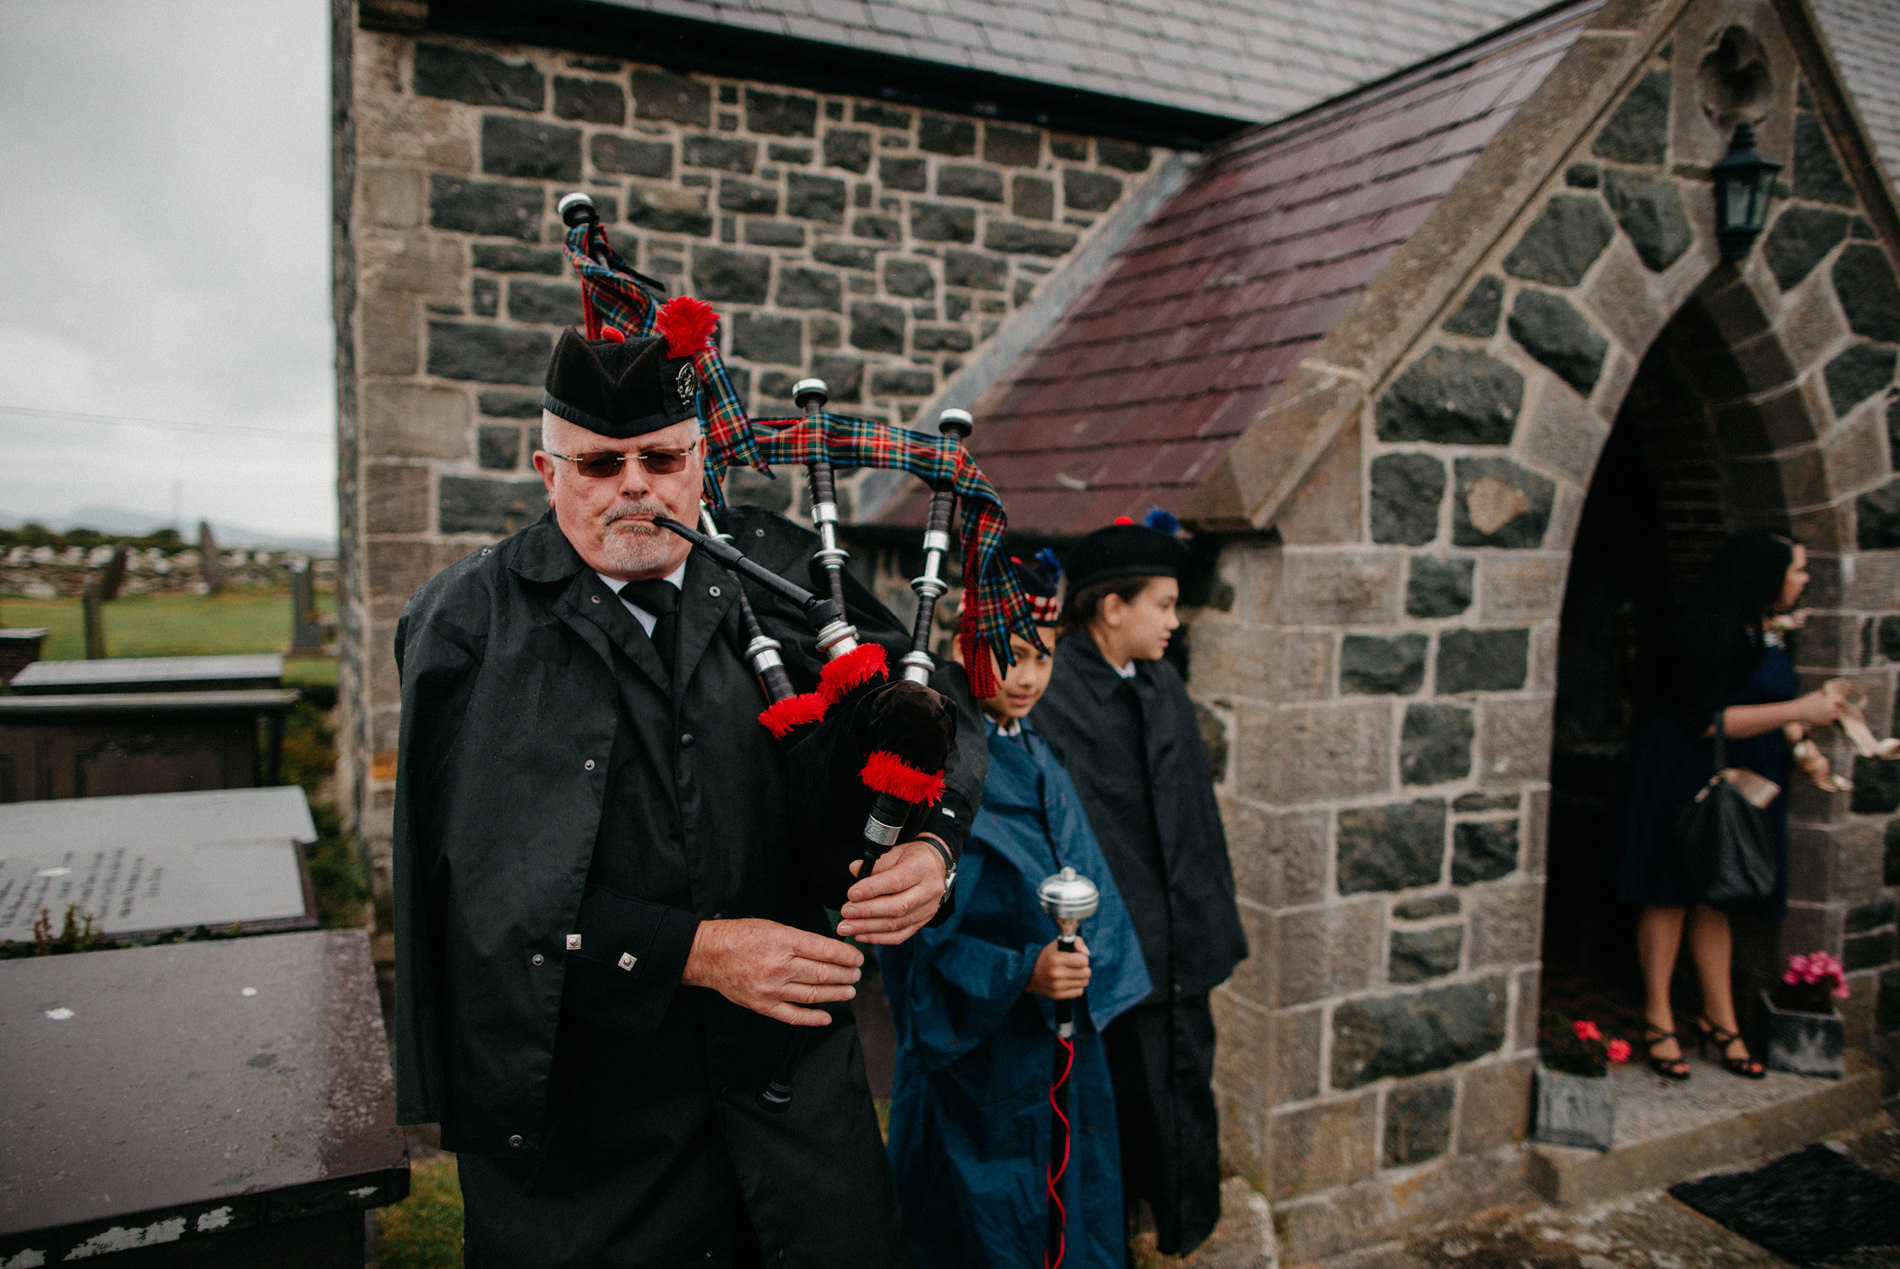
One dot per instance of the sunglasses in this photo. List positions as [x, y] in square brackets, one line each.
[604, 464]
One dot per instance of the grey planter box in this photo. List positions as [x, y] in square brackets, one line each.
[1806, 1043]
[1574, 1110]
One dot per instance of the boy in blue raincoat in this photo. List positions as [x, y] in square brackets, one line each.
[974, 1003]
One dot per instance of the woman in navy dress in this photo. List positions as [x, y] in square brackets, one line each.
[1726, 654]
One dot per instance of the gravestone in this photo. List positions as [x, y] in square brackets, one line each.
[114, 576]
[98, 744]
[18, 650]
[205, 1104]
[235, 672]
[95, 621]
[212, 562]
[149, 864]
[306, 629]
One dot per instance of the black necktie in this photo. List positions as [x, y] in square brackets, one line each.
[661, 598]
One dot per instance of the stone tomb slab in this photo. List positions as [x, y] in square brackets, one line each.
[148, 864]
[206, 1104]
[152, 674]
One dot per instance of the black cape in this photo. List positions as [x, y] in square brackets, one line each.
[1134, 750]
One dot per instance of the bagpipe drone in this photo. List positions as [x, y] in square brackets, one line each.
[903, 728]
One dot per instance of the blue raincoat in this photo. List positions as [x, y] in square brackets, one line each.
[970, 1113]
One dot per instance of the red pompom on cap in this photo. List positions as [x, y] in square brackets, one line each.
[686, 324]
[887, 773]
[613, 334]
[1124, 519]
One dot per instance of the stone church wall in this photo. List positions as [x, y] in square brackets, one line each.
[874, 245]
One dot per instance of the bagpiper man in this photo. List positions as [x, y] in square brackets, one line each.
[598, 932]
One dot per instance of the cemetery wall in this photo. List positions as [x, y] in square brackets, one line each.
[46, 573]
[877, 246]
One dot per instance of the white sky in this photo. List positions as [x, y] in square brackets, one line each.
[165, 255]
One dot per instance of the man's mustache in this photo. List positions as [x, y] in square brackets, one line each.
[624, 510]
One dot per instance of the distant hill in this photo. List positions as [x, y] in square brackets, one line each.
[110, 518]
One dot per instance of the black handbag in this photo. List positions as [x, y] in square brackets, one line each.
[1725, 844]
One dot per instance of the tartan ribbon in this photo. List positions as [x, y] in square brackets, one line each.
[993, 603]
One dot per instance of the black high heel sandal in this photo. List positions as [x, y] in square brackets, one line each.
[1669, 1068]
[1746, 1067]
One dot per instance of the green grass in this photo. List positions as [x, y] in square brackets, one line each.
[424, 1231]
[175, 626]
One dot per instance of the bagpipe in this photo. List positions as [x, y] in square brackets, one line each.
[902, 727]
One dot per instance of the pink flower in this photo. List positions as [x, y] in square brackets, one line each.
[1586, 1031]
[1619, 1050]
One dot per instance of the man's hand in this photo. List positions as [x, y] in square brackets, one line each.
[898, 899]
[1060, 975]
[773, 969]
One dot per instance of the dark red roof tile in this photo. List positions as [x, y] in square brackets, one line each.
[1137, 394]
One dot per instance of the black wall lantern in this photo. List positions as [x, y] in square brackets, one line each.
[1744, 181]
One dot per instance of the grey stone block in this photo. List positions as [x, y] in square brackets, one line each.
[486, 207]
[958, 180]
[769, 337]
[908, 381]
[1416, 1032]
[1454, 396]
[1483, 851]
[498, 447]
[902, 174]
[1482, 661]
[810, 288]
[1876, 786]
[1869, 295]
[1017, 238]
[1559, 247]
[1817, 173]
[509, 405]
[844, 375]
[1084, 190]
[1651, 213]
[1394, 847]
[660, 95]
[878, 228]
[1550, 328]
[544, 303]
[1406, 492]
[1372, 665]
[666, 210]
[941, 339]
[628, 157]
[879, 116]
[735, 276]
[1799, 239]
[772, 233]
[1426, 907]
[484, 297]
[796, 155]
[725, 154]
[938, 222]
[589, 100]
[1435, 744]
[1418, 1122]
[1857, 374]
[780, 114]
[1583, 176]
[1437, 587]
[1638, 131]
[941, 135]
[845, 255]
[1877, 523]
[1125, 155]
[910, 279]
[1472, 803]
[736, 194]
[815, 197]
[1498, 503]
[479, 79]
[877, 327]
[974, 270]
[471, 504]
[1032, 198]
[488, 354]
[849, 150]
[508, 257]
[1421, 955]
[1012, 147]
[1478, 315]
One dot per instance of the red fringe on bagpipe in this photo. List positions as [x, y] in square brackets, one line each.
[854, 669]
[782, 718]
[686, 324]
[885, 772]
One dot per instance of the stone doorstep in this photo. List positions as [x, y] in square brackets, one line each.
[1713, 1121]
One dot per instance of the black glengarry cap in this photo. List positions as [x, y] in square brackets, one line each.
[619, 388]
